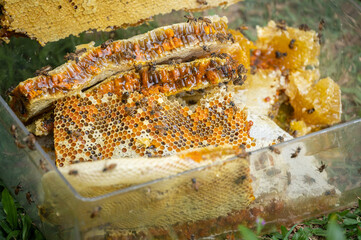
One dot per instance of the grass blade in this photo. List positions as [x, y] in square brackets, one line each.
[5, 226]
[13, 235]
[289, 232]
[9, 208]
[247, 234]
[26, 222]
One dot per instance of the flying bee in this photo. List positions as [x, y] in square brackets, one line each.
[18, 188]
[30, 141]
[43, 71]
[230, 37]
[73, 172]
[304, 27]
[274, 150]
[106, 43]
[281, 25]
[322, 167]
[309, 180]
[28, 198]
[109, 167]
[292, 43]
[321, 24]
[19, 144]
[96, 212]
[202, 2]
[295, 154]
[190, 18]
[310, 111]
[221, 37]
[206, 48]
[280, 54]
[195, 184]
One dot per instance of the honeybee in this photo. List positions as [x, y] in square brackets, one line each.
[288, 178]
[18, 188]
[106, 43]
[13, 131]
[241, 69]
[274, 150]
[281, 25]
[281, 139]
[309, 180]
[73, 172]
[195, 184]
[43, 165]
[240, 80]
[240, 179]
[202, 2]
[190, 18]
[152, 66]
[292, 43]
[109, 167]
[43, 71]
[280, 54]
[304, 27]
[19, 144]
[206, 48]
[72, 56]
[96, 212]
[138, 67]
[207, 21]
[230, 37]
[295, 154]
[28, 198]
[221, 37]
[30, 141]
[310, 111]
[321, 24]
[322, 167]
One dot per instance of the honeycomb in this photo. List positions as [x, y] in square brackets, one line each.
[34, 95]
[91, 127]
[171, 79]
[51, 20]
[282, 47]
[319, 104]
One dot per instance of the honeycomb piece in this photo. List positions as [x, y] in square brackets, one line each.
[51, 20]
[299, 128]
[89, 127]
[43, 125]
[243, 53]
[320, 104]
[171, 79]
[282, 47]
[93, 65]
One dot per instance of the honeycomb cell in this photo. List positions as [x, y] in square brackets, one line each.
[171, 127]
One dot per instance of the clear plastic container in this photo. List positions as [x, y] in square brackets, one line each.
[211, 200]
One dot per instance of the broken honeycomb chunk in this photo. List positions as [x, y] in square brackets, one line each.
[282, 47]
[89, 127]
[314, 103]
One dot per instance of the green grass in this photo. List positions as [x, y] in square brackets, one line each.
[14, 222]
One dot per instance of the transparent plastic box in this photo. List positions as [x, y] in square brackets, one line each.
[211, 201]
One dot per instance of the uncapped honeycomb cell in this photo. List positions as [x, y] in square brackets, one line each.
[282, 47]
[89, 127]
[94, 64]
